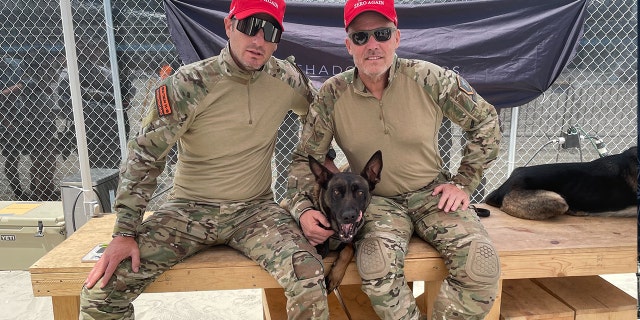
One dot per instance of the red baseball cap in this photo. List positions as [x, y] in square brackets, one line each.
[355, 7]
[245, 8]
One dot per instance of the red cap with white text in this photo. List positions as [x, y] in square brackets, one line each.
[245, 8]
[355, 7]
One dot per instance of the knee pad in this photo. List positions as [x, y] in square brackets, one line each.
[306, 266]
[483, 264]
[373, 259]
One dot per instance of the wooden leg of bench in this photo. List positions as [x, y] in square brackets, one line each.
[425, 300]
[356, 301]
[65, 308]
[494, 313]
[274, 304]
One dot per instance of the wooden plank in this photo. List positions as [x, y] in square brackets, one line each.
[431, 289]
[212, 276]
[65, 308]
[524, 300]
[591, 297]
[357, 303]
[494, 313]
[563, 264]
[563, 234]
[566, 246]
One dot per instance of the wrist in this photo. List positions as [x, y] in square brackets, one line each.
[124, 234]
[303, 211]
[458, 185]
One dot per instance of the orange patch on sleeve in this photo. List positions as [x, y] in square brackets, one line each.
[162, 101]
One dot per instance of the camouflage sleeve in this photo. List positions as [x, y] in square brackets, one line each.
[306, 88]
[317, 134]
[479, 121]
[167, 118]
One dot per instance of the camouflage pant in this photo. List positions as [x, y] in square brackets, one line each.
[261, 230]
[469, 290]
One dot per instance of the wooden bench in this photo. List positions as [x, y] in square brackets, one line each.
[562, 247]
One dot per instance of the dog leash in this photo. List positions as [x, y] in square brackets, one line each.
[342, 304]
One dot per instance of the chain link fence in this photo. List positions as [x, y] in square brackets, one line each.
[594, 100]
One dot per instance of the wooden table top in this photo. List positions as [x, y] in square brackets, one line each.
[563, 246]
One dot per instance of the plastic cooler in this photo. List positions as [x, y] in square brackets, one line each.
[28, 230]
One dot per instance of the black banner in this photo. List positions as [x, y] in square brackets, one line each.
[511, 51]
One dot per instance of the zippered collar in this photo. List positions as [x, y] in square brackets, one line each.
[230, 68]
[358, 85]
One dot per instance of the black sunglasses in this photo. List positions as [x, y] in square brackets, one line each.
[381, 34]
[251, 25]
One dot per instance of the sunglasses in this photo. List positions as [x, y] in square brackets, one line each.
[251, 25]
[359, 38]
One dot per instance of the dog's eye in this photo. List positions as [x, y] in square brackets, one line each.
[360, 193]
[336, 192]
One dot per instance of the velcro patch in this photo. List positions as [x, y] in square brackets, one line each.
[162, 101]
[464, 85]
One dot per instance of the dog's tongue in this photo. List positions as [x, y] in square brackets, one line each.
[347, 230]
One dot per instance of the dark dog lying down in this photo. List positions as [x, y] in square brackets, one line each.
[343, 198]
[605, 186]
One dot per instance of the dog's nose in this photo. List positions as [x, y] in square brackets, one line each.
[350, 216]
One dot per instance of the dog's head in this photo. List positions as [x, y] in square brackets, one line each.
[343, 197]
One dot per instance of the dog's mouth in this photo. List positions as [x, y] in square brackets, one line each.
[347, 231]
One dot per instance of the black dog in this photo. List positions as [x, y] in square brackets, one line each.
[604, 186]
[343, 198]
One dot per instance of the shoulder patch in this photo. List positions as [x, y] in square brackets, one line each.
[162, 101]
[464, 85]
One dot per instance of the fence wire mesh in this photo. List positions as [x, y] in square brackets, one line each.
[595, 97]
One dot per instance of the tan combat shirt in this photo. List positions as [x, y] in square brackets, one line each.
[225, 121]
[403, 124]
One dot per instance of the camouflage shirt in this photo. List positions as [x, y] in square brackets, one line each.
[224, 120]
[403, 124]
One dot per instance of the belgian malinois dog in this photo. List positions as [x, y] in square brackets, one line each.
[607, 186]
[343, 198]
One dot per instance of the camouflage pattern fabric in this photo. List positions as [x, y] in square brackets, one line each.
[418, 97]
[404, 125]
[261, 230]
[224, 121]
[393, 220]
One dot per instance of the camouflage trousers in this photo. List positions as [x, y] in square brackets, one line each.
[261, 230]
[469, 290]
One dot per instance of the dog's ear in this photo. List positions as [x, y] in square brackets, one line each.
[322, 174]
[372, 169]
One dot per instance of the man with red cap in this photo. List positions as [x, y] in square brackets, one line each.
[223, 113]
[397, 105]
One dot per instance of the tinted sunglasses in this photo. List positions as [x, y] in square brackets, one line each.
[381, 34]
[251, 25]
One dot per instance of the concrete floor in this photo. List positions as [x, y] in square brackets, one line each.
[18, 303]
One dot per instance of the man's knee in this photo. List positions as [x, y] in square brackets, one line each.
[483, 264]
[373, 259]
[307, 266]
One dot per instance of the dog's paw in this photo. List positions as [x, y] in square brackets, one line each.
[332, 281]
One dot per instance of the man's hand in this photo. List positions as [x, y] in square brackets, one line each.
[451, 197]
[119, 249]
[311, 223]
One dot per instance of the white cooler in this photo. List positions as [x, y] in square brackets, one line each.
[28, 230]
